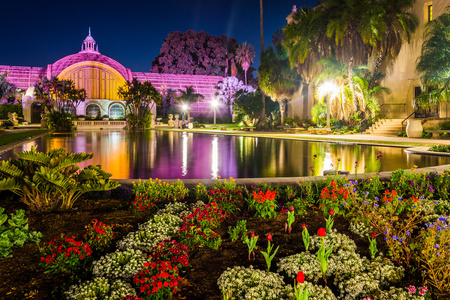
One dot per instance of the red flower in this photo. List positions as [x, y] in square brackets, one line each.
[300, 277]
[374, 234]
[269, 237]
[331, 212]
[291, 208]
[252, 235]
[304, 226]
[321, 232]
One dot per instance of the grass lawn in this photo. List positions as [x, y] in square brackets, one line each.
[15, 137]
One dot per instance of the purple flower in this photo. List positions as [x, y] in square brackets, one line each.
[430, 188]
[407, 232]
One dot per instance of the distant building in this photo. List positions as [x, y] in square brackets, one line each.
[101, 76]
[401, 78]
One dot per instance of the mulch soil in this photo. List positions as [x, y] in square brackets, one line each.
[21, 276]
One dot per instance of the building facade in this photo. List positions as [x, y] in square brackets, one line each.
[101, 76]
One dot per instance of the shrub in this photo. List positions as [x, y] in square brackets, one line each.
[51, 181]
[64, 255]
[99, 235]
[160, 192]
[100, 288]
[157, 280]
[15, 232]
[119, 264]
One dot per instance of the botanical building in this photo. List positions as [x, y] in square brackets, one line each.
[101, 76]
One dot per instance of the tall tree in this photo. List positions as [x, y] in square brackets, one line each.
[433, 64]
[188, 97]
[227, 89]
[353, 24]
[261, 26]
[306, 41]
[139, 96]
[244, 56]
[276, 78]
[398, 23]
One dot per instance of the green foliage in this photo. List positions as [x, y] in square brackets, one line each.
[439, 148]
[15, 233]
[10, 108]
[159, 191]
[319, 113]
[264, 203]
[235, 232]
[59, 121]
[51, 181]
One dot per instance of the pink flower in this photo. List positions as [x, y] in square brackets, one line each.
[291, 208]
[411, 289]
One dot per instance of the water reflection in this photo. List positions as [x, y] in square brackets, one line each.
[162, 154]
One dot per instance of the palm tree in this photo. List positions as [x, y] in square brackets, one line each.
[139, 96]
[261, 22]
[188, 97]
[434, 61]
[306, 43]
[354, 27]
[276, 78]
[398, 24]
[244, 56]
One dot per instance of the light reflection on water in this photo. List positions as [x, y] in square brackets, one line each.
[171, 155]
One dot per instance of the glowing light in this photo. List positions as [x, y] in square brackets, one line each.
[185, 154]
[214, 103]
[184, 107]
[215, 158]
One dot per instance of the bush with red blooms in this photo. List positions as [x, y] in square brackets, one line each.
[170, 251]
[157, 280]
[230, 200]
[64, 255]
[264, 203]
[196, 229]
[99, 235]
[332, 197]
[141, 205]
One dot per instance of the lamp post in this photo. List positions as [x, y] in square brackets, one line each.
[185, 108]
[214, 104]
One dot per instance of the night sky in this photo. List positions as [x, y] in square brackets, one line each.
[37, 33]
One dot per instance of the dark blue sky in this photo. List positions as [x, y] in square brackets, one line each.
[37, 33]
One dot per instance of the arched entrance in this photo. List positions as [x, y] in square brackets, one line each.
[36, 110]
[93, 111]
[116, 111]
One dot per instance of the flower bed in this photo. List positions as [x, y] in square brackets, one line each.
[367, 240]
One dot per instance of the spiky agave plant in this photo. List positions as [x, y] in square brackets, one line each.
[52, 181]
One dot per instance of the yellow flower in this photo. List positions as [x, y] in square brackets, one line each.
[219, 176]
[415, 166]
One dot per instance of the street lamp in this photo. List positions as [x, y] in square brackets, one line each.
[214, 104]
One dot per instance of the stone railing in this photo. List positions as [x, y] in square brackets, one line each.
[99, 124]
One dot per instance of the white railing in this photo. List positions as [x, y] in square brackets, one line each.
[100, 124]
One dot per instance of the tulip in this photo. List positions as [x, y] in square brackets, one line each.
[300, 277]
[331, 212]
[269, 237]
[291, 208]
[321, 232]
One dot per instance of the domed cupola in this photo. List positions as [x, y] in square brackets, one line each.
[89, 45]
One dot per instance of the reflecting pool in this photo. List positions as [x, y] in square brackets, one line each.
[171, 155]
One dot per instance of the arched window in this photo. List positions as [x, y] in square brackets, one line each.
[116, 111]
[92, 111]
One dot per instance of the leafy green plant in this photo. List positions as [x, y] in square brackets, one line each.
[264, 204]
[159, 191]
[52, 181]
[439, 148]
[267, 255]
[234, 232]
[15, 232]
